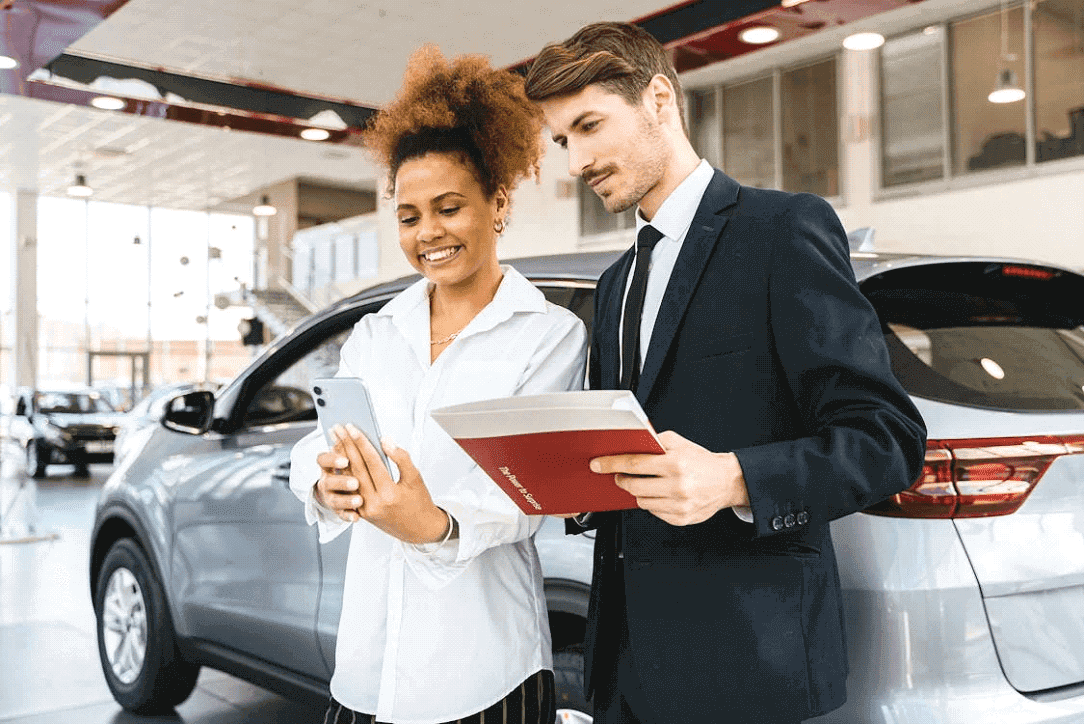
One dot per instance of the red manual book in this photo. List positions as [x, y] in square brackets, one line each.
[537, 448]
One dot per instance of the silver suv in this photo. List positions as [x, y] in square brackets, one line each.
[964, 595]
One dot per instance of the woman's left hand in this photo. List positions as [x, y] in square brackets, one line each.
[401, 509]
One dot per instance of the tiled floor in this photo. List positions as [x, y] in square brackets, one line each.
[49, 667]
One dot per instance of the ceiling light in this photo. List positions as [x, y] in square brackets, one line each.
[107, 103]
[1008, 88]
[863, 41]
[759, 35]
[80, 187]
[264, 208]
[315, 134]
[7, 63]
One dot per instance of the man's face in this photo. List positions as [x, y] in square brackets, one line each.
[617, 148]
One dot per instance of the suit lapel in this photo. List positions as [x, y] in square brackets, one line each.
[704, 233]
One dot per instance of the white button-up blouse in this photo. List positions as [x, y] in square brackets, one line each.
[434, 633]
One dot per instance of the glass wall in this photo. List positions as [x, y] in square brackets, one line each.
[748, 132]
[1059, 79]
[810, 129]
[987, 134]
[912, 116]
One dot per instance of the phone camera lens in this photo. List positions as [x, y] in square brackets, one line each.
[317, 390]
[320, 401]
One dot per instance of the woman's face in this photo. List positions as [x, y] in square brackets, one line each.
[446, 223]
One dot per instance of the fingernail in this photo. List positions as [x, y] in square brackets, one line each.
[388, 444]
[355, 501]
[352, 484]
[337, 431]
[354, 432]
[341, 462]
[595, 467]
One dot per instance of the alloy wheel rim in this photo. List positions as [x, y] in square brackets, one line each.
[124, 625]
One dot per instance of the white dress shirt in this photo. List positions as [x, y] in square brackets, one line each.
[438, 632]
[672, 220]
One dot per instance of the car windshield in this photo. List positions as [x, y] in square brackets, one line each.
[995, 335]
[73, 402]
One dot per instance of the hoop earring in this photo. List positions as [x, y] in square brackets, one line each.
[498, 226]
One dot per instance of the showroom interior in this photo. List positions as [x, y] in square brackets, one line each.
[181, 184]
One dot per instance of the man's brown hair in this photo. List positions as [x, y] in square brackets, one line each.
[621, 57]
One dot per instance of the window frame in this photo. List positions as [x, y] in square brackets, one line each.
[951, 181]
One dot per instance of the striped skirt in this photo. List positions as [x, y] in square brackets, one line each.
[532, 702]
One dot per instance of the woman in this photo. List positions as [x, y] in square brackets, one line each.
[443, 616]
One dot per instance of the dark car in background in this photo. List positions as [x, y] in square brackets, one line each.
[77, 427]
[963, 596]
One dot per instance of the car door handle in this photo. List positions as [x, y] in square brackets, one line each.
[281, 473]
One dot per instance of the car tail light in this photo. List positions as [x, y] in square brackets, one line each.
[978, 478]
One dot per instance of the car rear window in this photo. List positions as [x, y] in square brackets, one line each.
[994, 335]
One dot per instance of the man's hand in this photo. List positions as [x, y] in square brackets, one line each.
[401, 509]
[685, 485]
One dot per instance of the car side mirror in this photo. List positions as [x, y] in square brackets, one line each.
[191, 413]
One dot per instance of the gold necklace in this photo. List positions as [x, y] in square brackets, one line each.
[449, 338]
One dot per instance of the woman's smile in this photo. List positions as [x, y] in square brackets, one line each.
[441, 255]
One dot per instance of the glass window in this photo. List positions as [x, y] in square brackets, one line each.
[987, 134]
[811, 129]
[707, 137]
[912, 132]
[748, 126]
[1059, 67]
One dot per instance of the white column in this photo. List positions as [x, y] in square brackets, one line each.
[859, 132]
[24, 288]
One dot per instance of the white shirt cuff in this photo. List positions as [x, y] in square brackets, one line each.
[744, 513]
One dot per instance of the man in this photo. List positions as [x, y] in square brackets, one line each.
[750, 346]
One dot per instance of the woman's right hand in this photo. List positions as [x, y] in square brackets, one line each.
[336, 490]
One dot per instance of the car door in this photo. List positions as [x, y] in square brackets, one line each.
[246, 564]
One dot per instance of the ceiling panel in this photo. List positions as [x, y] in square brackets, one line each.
[140, 160]
[334, 48]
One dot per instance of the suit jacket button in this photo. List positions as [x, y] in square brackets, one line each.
[789, 520]
[803, 518]
[777, 523]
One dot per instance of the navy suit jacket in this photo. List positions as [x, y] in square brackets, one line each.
[763, 346]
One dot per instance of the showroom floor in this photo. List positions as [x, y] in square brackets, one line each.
[49, 667]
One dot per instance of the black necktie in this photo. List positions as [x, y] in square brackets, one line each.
[634, 307]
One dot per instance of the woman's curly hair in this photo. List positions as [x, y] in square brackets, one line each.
[459, 106]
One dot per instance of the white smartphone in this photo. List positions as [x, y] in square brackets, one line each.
[344, 400]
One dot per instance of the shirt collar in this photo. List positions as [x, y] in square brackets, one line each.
[514, 294]
[675, 216]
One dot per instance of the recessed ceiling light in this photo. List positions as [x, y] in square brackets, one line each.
[863, 41]
[107, 103]
[758, 35]
[315, 134]
[7, 63]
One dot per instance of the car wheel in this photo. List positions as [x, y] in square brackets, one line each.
[572, 705]
[37, 459]
[136, 642]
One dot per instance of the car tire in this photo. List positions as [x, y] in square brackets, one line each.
[37, 459]
[136, 641]
[568, 677]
